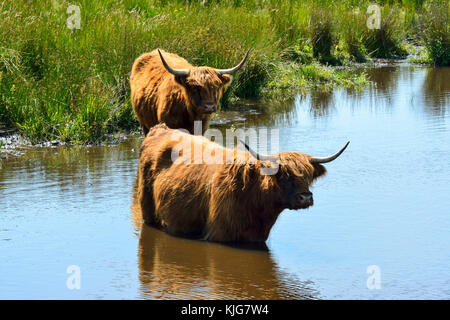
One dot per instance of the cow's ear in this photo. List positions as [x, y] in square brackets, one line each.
[226, 79]
[319, 170]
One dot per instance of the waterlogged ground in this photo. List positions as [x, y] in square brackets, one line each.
[384, 205]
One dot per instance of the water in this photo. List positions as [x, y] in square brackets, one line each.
[384, 202]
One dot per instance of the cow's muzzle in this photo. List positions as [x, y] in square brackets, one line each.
[209, 108]
[305, 199]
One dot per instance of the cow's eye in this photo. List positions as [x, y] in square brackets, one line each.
[196, 92]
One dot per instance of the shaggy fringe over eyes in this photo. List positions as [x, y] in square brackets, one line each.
[291, 164]
[202, 76]
[296, 164]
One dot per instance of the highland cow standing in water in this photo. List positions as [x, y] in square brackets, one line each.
[166, 88]
[223, 201]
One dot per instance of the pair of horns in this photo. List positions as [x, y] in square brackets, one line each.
[312, 160]
[185, 72]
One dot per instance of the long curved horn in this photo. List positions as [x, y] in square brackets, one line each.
[256, 154]
[234, 69]
[179, 72]
[330, 158]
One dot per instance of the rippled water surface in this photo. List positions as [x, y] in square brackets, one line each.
[384, 202]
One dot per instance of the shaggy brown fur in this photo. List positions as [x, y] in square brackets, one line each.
[218, 202]
[159, 96]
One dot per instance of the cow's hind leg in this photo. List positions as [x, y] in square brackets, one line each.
[146, 200]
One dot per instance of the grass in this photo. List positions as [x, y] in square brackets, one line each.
[436, 33]
[72, 84]
[292, 78]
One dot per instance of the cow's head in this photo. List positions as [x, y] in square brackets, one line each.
[204, 85]
[297, 171]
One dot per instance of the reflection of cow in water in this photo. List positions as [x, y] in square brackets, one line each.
[177, 268]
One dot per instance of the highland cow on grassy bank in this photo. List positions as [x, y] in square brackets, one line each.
[166, 88]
